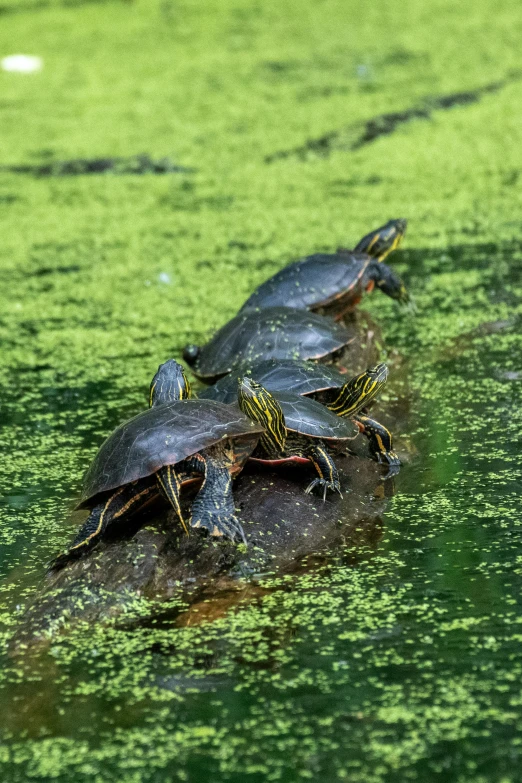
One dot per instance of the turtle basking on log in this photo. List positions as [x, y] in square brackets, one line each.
[325, 384]
[305, 378]
[175, 442]
[180, 439]
[334, 283]
[275, 333]
[300, 429]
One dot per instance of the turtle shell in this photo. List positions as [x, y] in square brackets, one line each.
[275, 333]
[309, 418]
[165, 435]
[300, 378]
[313, 282]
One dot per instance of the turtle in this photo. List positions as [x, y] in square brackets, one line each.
[297, 430]
[177, 440]
[333, 283]
[274, 333]
[300, 377]
[327, 385]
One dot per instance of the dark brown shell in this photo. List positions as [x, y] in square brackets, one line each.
[312, 283]
[165, 435]
[301, 378]
[274, 333]
[310, 419]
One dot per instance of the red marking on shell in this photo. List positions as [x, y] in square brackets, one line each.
[294, 460]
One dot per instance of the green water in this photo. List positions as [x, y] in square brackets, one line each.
[396, 662]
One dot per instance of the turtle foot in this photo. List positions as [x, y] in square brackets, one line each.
[390, 460]
[219, 525]
[325, 486]
[59, 562]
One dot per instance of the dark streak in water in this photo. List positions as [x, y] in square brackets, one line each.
[137, 164]
[387, 123]
[39, 5]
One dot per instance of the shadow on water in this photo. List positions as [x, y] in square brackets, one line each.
[45, 423]
[80, 411]
[493, 261]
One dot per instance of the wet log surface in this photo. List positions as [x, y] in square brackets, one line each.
[287, 531]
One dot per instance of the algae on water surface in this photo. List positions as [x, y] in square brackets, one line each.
[408, 665]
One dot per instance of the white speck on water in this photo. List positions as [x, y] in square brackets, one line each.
[362, 71]
[163, 277]
[22, 63]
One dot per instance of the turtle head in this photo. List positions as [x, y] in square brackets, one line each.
[259, 405]
[360, 391]
[170, 383]
[191, 353]
[383, 240]
[389, 282]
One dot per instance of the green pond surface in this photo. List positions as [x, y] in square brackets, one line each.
[300, 126]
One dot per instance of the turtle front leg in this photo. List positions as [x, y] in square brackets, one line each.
[380, 442]
[325, 467]
[213, 508]
[170, 486]
[125, 500]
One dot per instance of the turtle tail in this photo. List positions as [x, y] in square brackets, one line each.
[125, 500]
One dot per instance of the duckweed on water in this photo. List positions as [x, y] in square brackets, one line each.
[404, 664]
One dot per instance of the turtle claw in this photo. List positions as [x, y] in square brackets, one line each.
[57, 563]
[408, 303]
[220, 526]
[390, 460]
[325, 485]
[391, 471]
[232, 529]
[63, 559]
